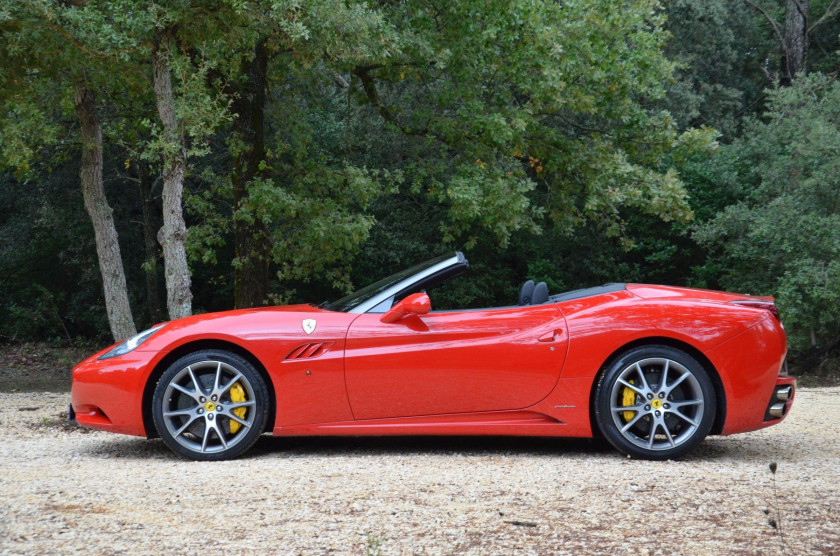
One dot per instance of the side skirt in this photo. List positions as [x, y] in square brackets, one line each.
[497, 423]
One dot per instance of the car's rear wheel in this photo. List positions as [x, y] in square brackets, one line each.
[210, 405]
[655, 402]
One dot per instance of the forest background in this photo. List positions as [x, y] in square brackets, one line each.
[168, 158]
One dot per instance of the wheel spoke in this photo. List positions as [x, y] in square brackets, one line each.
[236, 418]
[218, 377]
[237, 405]
[178, 412]
[677, 405]
[206, 436]
[193, 395]
[668, 434]
[218, 431]
[632, 422]
[185, 426]
[227, 386]
[692, 422]
[653, 426]
[198, 389]
[677, 382]
[642, 376]
[619, 409]
[663, 383]
[634, 388]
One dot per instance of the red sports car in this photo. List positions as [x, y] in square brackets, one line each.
[653, 369]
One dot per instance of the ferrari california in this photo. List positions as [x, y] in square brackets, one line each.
[653, 369]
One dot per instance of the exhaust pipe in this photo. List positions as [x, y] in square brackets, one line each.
[777, 410]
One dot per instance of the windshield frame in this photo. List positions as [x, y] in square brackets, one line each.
[372, 295]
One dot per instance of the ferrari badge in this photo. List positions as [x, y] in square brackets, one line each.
[309, 325]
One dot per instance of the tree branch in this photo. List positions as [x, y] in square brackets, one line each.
[832, 10]
[775, 24]
[369, 86]
[766, 73]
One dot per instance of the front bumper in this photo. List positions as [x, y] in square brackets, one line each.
[108, 394]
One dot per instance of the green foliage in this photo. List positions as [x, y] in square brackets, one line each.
[540, 108]
[25, 127]
[50, 286]
[200, 110]
[570, 142]
[782, 236]
[720, 48]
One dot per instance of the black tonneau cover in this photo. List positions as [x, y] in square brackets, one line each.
[587, 292]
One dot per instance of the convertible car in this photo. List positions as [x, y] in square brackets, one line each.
[653, 369]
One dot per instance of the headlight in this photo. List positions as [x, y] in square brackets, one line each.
[131, 343]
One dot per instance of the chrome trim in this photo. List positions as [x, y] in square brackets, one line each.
[777, 410]
[400, 286]
[783, 394]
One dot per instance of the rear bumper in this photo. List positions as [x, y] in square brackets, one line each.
[749, 366]
[781, 400]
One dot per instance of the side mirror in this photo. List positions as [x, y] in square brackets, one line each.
[414, 304]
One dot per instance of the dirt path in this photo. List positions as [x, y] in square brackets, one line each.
[68, 490]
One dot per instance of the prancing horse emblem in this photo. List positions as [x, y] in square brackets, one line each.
[309, 325]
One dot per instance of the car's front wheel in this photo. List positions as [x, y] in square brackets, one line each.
[210, 405]
[655, 402]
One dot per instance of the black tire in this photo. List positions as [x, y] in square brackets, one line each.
[678, 414]
[210, 405]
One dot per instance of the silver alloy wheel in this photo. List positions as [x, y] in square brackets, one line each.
[667, 403]
[198, 409]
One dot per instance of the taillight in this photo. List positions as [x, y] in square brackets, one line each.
[759, 304]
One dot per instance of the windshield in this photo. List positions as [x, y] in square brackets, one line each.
[348, 302]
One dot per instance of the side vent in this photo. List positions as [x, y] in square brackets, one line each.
[309, 351]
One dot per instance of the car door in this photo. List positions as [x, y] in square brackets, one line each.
[453, 361]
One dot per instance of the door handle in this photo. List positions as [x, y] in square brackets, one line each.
[552, 336]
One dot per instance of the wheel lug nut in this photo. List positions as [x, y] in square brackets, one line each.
[210, 416]
[662, 394]
[219, 408]
[650, 396]
[657, 413]
[202, 399]
[214, 398]
[647, 408]
[666, 406]
[200, 411]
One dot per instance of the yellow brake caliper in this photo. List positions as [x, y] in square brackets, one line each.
[237, 394]
[628, 398]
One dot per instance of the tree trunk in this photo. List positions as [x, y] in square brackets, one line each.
[173, 235]
[152, 249]
[795, 40]
[101, 216]
[251, 237]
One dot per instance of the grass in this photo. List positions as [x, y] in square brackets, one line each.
[374, 545]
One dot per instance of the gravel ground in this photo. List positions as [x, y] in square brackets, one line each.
[69, 490]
